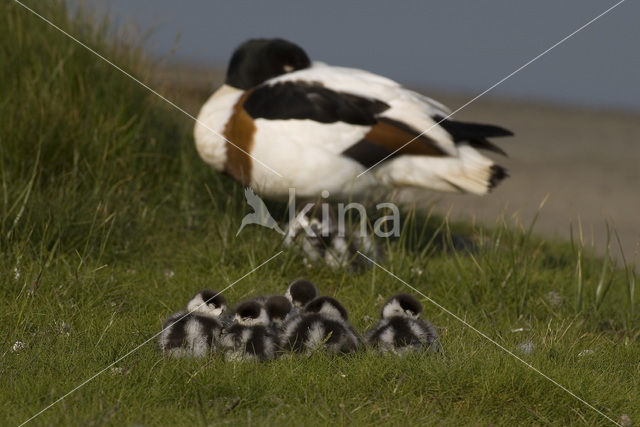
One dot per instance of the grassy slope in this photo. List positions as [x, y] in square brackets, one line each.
[109, 222]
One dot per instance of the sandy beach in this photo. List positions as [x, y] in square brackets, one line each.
[585, 162]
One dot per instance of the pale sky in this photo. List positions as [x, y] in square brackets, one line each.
[463, 46]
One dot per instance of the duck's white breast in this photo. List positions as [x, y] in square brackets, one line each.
[307, 155]
[213, 116]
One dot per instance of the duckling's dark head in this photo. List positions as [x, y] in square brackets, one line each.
[328, 306]
[258, 60]
[402, 305]
[208, 302]
[277, 308]
[300, 292]
[250, 313]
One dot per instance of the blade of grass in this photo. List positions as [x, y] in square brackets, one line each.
[27, 192]
[630, 277]
[579, 282]
[603, 284]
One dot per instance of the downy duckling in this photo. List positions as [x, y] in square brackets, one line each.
[193, 333]
[249, 337]
[400, 330]
[323, 324]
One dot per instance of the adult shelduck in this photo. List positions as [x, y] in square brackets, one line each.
[281, 121]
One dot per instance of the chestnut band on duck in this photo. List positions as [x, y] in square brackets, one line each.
[240, 130]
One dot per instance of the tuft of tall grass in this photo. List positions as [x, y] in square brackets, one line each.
[90, 162]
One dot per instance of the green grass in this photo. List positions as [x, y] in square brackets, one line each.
[109, 222]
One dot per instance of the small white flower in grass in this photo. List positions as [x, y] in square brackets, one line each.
[418, 271]
[554, 298]
[16, 273]
[518, 330]
[65, 328]
[526, 347]
[625, 420]
[307, 263]
[368, 319]
[586, 352]
[169, 274]
[116, 370]
[18, 346]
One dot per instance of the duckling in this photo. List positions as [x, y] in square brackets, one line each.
[300, 292]
[249, 337]
[400, 330]
[194, 332]
[331, 307]
[278, 309]
[324, 323]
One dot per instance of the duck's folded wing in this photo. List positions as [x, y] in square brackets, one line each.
[364, 83]
[385, 137]
[415, 111]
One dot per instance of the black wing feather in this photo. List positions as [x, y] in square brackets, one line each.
[304, 100]
[474, 133]
[465, 131]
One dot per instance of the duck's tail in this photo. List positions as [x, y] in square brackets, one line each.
[469, 172]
